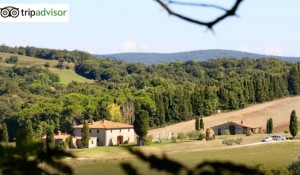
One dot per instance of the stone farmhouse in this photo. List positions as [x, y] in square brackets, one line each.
[236, 128]
[108, 133]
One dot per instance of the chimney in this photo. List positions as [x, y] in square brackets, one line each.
[242, 122]
[59, 133]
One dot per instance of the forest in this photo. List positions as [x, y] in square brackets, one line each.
[169, 93]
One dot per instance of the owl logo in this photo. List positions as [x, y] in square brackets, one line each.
[9, 11]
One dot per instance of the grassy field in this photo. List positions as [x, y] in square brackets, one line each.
[67, 76]
[29, 61]
[106, 160]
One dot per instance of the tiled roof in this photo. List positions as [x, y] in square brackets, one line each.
[91, 138]
[59, 137]
[106, 125]
[247, 125]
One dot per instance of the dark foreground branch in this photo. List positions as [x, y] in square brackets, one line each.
[210, 24]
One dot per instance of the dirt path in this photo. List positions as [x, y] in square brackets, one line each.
[278, 110]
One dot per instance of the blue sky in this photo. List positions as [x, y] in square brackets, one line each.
[98, 26]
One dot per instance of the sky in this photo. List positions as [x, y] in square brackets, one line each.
[103, 27]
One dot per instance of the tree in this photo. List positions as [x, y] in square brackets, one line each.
[85, 135]
[28, 156]
[29, 129]
[269, 127]
[293, 124]
[181, 136]
[201, 123]
[50, 141]
[197, 124]
[141, 125]
[4, 133]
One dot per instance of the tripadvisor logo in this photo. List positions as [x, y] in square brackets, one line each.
[9, 11]
[14, 12]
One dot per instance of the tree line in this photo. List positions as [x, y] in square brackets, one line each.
[167, 93]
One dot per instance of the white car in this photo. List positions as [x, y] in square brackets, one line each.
[267, 139]
[278, 137]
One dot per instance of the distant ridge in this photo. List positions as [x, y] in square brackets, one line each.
[200, 55]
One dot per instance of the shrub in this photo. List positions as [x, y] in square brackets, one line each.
[279, 171]
[125, 142]
[193, 134]
[248, 132]
[201, 136]
[294, 167]
[286, 131]
[239, 140]
[173, 138]
[232, 141]
[181, 136]
[79, 144]
[60, 65]
[1, 59]
[228, 142]
[148, 140]
[12, 59]
[62, 145]
[47, 64]
[69, 142]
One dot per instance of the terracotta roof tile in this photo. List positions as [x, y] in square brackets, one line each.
[59, 137]
[106, 125]
[247, 125]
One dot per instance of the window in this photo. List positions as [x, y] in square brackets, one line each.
[97, 140]
[111, 130]
[128, 130]
[97, 130]
[120, 130]
[90, 131]
[92, 142]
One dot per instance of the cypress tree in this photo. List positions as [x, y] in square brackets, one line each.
[50, 142]
[197, 124]
[141, 125]
[4, 133]
[271, 125]
[28, 128]
[268, 127]
[293, 124]
[85, 135]
[201, 123]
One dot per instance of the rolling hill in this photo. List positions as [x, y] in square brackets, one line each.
[279, 110]
[66, 76]
[200, 55]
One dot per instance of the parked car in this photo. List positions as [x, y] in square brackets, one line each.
[267, 139]
[278, 137]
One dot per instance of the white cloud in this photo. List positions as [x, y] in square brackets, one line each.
[133, 46]
[129, 46]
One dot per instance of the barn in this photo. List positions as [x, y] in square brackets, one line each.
[236, 128]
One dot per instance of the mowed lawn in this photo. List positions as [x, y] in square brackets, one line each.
[67, 76]
[271, 155]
